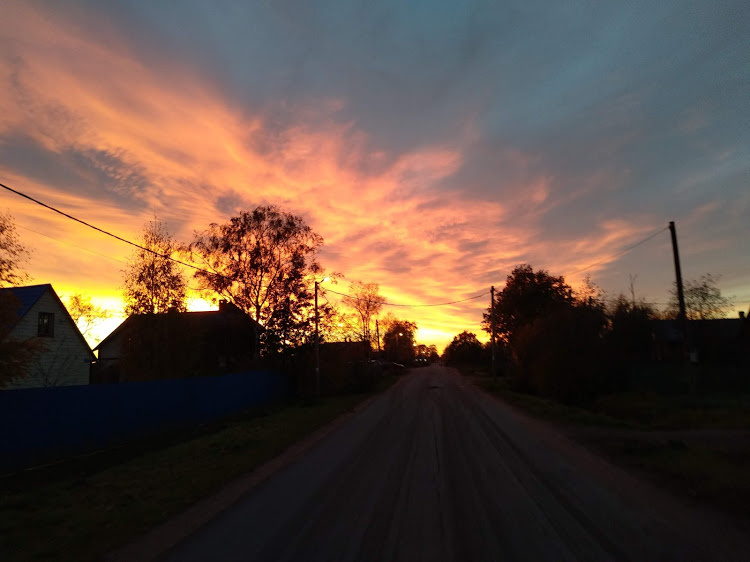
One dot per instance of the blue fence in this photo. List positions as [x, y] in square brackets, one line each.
[40, 425]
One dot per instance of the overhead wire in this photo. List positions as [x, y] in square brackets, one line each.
[407, 305]
[72, 245]
[107, 233]
[168, 257]
[200, 269]
[624, 250]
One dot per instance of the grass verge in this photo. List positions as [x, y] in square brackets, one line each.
[84, 516]
[546, 409]
[656, 436]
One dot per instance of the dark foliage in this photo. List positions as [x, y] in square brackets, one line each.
[264, 262]
[465, 348]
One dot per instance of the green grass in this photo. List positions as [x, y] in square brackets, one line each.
[83, 517]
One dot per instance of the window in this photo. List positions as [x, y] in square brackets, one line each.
[46, 325]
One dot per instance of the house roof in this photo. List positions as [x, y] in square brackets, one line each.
[724, 329]
[30, 294]
[27, 296]
[210, 319]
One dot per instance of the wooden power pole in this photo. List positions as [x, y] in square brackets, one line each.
[492, 329]
[682, 316]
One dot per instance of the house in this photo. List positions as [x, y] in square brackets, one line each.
[722, 340]
[62, 357]
[177, 345]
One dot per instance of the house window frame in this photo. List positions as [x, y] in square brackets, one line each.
[46, 325]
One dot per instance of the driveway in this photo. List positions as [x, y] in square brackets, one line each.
[435, 469]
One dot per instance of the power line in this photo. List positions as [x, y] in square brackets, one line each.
[627, 249]
[408, 305]
[165, 256]
[71, 244]
[115, 236]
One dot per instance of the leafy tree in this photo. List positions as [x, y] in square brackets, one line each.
[264, 262]
[153, 283]
[703, 299]
[399, 340]
[12, 253]
[365, 300]
[85, 314]
[527, 296]
[465, 348]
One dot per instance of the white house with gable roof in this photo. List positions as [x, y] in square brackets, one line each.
[65, 356]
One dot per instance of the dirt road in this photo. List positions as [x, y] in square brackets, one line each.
[436, 470]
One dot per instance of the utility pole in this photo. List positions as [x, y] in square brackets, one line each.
[377, 335]
[492, 329]
[317, 344]
[678, 272]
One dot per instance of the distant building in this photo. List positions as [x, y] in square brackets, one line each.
[64, 357]
[723, 340]
[177, 345]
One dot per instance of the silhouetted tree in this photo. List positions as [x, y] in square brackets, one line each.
[398, 341]
[555, 339]
[264, 262]
[464, 348]
[527, 296]
[153, 283]
[16, 356]
[703, 299]
[12, 253]
[630, 328]
[365, 300]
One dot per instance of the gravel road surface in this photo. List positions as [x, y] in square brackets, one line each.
[435, 469]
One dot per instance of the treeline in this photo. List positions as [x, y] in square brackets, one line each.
[571, 345]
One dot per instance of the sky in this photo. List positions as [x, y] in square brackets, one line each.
[433, 145]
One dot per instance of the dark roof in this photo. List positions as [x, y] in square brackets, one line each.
[28, 296]
[204, 320]
[724, 329]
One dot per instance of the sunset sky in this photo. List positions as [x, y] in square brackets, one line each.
[434, 145]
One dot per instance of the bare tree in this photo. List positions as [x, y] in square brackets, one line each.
[153, 283]
[366, 301]
[15, 356]
[85, 314]
[12, 253]
[703, 299]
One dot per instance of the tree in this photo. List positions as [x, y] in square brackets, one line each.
[85, 314]
[464, 348]
[12, 253]
[527, 296]
[630, 328]
[15, 356]
[703, 299]
[399, 340]
[366, 301]
[153, 283]
[264, 262]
